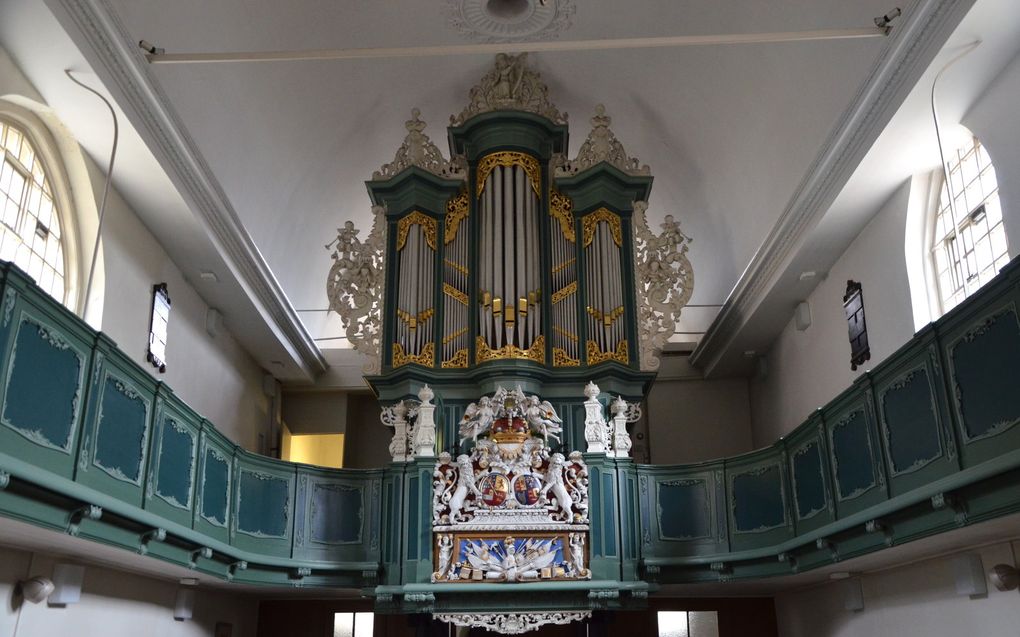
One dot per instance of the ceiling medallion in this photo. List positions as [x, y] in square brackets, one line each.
[509, 20]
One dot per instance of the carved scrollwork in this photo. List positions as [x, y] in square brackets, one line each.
[664, 281]
[418, 150]
[355, 286]
[601, 146]
[510, 86]
[512, 623]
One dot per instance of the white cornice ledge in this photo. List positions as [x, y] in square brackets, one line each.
[907, 52]
[115, 49]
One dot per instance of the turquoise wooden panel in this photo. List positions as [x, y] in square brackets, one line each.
[758, 498]
[982, 353]
[854, 451]
[808, 477]
[683, 509]
[115, 450]
[215, 484]
[918, 442]
[173, 465]
[910, 422]
[263, 501]
[44, 392]
[758, 503]
[338, 514]
[263, 504]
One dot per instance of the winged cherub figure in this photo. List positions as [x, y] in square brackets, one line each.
[477, 419]
[542, 418]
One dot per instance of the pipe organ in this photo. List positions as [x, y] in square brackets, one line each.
[511, 252]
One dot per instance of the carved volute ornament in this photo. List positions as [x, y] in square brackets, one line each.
[418, 150]
[355, 284]
[663, 280]
[510, 86]
[601, 146]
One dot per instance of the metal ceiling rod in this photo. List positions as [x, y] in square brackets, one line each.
[156, 56]
[106, 190]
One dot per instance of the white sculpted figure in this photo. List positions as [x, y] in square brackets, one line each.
[504, 562]
[542, 418]
[477, 419]
[465, 485]
[445, 555]
[554, 482]
[577, 555]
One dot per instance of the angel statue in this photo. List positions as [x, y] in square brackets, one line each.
[465, 485]
[554, 482]
[542, 418]
[445, 555]
[477, 419]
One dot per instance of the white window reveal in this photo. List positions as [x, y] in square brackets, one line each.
[353, 624]
[969, 240]
[29, 224]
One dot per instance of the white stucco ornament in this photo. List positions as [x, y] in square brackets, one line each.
[418, 150]
[512, 623]
[600, 146]
[596, 429]
[663, 280]
[510, 86]
[355, 284]
[502, 21]
[423, 437]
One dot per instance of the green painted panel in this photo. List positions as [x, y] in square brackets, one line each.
[44, 381]
[852, 455]
[122, 431]
[263, 504]
[808, 481]
[412, 519]
[215, 487]
[910, 422]
[758, 500]
[176, 474]
[986, 365]
[609, 514]
[337, 513]
[684, 509]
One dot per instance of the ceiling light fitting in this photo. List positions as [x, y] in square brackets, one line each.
[884, 22]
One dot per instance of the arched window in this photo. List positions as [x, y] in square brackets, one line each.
[30, 234]
[968, 241]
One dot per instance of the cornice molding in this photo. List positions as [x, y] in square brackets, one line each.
[906, 54]
[112, 47]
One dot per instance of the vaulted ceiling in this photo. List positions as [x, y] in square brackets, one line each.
[731, 132]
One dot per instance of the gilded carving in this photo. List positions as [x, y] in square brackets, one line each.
[596, 355]
[455, 294]
[428, 226]
[508, 158]
[560, 209]
[458, 361]
[457, 210]
[562, 359]
[591, 221]
[535, 353]
[564, 292]
[426, 358]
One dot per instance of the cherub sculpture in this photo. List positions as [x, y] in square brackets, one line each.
[554, 483]
[542, 418]
[465, 485]
[445, 555]
[577, 555]
[477, 419]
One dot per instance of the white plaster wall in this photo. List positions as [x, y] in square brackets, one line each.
[993, 119]
[690, 419]
[115, 604]
[214, 375]
[807, 369]
[918, 600]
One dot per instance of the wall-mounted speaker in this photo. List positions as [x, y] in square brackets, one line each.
[184, 604]
[969, 573]
[67, 581]
[853, 595]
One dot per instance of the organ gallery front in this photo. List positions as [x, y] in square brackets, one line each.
[511, 303]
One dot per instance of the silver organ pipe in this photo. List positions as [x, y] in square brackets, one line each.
[456, 339]
[604, 278]
[510, 260]
[566, 348]
[416, 252]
